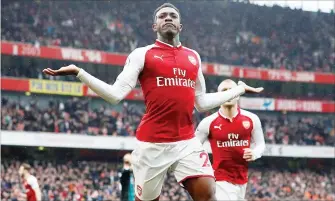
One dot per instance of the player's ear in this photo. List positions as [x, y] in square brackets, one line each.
[154, 27]
[180, 27]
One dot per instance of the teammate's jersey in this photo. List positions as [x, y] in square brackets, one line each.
[169, 77]
[228, 138]
[30, 184]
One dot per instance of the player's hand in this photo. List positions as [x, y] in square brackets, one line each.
[248, 155]
[67, 70]
[249, 88]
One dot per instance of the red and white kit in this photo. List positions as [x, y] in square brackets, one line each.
[228, 139]
[30, 184]
[172, 83]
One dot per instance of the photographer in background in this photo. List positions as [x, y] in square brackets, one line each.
[127, 180]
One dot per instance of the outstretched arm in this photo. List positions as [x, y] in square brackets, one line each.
[206, 101]
[123, 85]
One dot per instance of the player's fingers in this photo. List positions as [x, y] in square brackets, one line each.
[54, 72]
[259, 89]
[256, 90]
[248, 151]
[245, 156]
[49, 72]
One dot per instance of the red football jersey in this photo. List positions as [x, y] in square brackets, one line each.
[168, 77]
[29, 184]
[172, 83]
[227, 139]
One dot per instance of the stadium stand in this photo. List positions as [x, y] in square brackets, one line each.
[97, 181]
[260, 37]
[75, 116]
[288, 39]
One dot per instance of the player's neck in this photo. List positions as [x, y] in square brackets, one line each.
[171, 41]
[229, 111]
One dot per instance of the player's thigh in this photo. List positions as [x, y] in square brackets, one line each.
[227, 191]
[149, 168]
[195, 164]
[195, 172]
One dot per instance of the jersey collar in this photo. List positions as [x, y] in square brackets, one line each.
[227, 118]
[162, 44]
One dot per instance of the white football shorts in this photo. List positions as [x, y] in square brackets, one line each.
[151, 161]
[228, 191]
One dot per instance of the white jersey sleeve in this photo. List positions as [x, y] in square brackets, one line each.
[257, 144]
[206, 101]
[32, 181]
[203, 128]
[124, 83]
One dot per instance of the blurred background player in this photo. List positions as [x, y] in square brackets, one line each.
[172, 83]
[229, 132]
[32, 189]
[127, 180]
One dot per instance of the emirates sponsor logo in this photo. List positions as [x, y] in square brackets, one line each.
[179, 79]
[233, 141]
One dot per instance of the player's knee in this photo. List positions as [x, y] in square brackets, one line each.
[209, 195]
[203, 189]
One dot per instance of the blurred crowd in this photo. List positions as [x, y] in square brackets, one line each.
[77, 181]
[26, 67]
[72, 116]
[221, 31]
[75, 116]
[298, 130]
[98, 181]
[274, 184]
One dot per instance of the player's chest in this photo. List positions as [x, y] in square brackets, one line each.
[225, 130]
[172, 63]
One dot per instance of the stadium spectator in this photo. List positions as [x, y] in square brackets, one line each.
[75, 116]
[279, 38]
[98, 181]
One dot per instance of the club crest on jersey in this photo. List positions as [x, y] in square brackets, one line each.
[192, 60]
[246, 124]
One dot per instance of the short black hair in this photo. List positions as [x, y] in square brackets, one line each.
[165, 5]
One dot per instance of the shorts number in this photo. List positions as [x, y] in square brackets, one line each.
[206, 164]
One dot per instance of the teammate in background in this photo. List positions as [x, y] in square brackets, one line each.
[230, 132]
[33, 192]
[127, 180]
[172, 83]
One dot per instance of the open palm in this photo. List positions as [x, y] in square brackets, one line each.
[67, 70]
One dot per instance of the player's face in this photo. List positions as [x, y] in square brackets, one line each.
[226, 87]
[167, 22]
